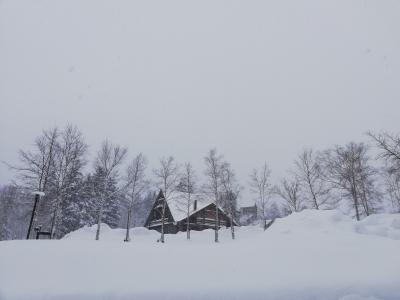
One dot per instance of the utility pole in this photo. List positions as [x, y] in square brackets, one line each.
[37, 198]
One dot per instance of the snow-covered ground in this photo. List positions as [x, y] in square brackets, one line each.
[309, 255]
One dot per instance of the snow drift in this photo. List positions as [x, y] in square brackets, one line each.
[307, 255]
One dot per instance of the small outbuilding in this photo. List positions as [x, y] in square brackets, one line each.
[248, 215]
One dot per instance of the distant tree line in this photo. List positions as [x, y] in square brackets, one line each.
[119, 192]
[342, 176]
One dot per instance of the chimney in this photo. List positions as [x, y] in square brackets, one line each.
[195, 205]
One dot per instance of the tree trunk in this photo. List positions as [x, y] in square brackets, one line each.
[357, 212]
[99, 223]
[354, 194]
[128, 225]
[162, 222]
[188, 225]
[100, 215]
[216, 223]
[314, 199]
[187, 228]
[365, 201]
[54, 221]
[312, 191]
[355, 198]
[232, 229]
[231, 220]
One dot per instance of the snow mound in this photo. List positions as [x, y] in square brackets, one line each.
[313, 221]
[384, 225]
[333, 221]
[307, 255]
[109, 234]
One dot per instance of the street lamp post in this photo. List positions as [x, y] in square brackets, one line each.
[37, 197]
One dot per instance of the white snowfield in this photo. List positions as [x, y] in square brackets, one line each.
[312, 255]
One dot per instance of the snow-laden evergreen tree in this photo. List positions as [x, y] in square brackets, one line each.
[107, 197]
[7, 196]
[15, 209]
[108, 160]
[75, 209]
[69, 161]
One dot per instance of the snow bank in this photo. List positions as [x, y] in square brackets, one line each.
[108, 234]
[384, 225]
[308, 255]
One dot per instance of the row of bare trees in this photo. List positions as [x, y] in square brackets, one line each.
[54, 162]
[57, 161]
[341, 175]
[220, 184]
[389, 151]
[55, 166]
[319, 179]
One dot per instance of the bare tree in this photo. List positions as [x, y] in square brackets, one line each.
[389, 144]
[309, 173]
[188, 186]
[136, 183]
[231, 190]
[68, 161]
[168, 178]
[261, 186]
[289, 191]
[37, 166]
[348, 169]
[392, 179]
[213, 182]
[108, 159]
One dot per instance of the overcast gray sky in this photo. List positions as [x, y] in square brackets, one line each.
[259, 80]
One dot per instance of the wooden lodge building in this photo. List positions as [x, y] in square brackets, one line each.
[201, 214]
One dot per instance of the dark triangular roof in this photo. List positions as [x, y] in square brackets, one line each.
[176, 204]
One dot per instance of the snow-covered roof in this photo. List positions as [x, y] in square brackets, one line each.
[177, 203]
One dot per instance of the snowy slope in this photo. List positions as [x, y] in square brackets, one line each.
[308, 255]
